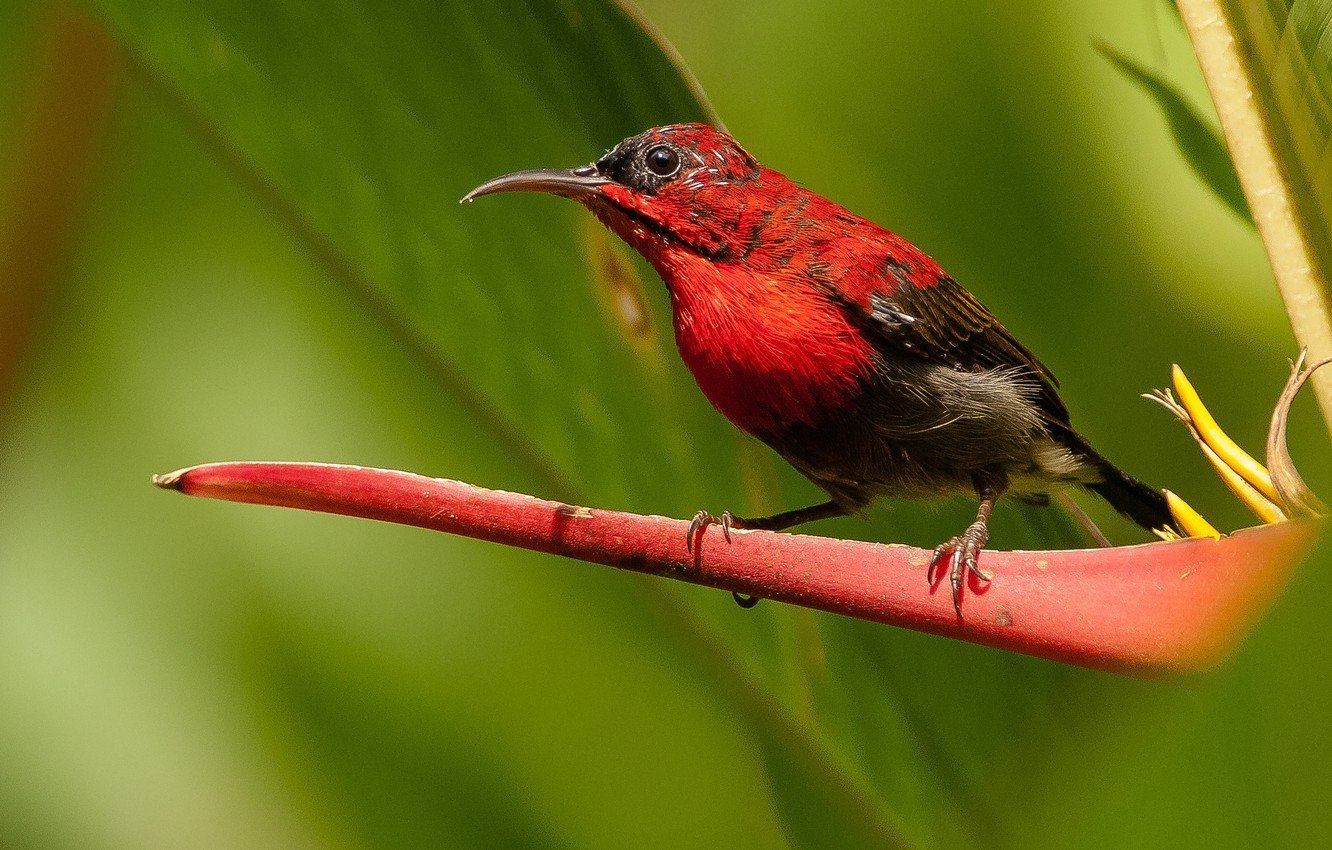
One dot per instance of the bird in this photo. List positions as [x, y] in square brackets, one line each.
[837, 342]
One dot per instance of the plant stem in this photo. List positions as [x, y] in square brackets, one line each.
[1149, 609]
[1262, 159]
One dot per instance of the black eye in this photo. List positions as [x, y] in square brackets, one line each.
[662, 161]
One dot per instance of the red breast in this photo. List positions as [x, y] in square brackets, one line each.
[767, 350]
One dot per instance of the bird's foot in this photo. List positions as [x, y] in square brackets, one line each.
[964, 551]
[703, 519]
[727, 521]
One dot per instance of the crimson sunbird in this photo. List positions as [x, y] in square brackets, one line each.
[838, 343]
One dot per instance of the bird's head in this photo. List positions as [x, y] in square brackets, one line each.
[677, 188]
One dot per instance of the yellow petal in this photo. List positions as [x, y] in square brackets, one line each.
[1229, 451]
[1189, 520]
[1243, 490]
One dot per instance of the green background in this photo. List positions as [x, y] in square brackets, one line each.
[269, 263]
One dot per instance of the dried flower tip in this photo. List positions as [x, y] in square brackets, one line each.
[1294, 495]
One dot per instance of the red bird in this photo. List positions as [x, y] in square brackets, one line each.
[838, 343]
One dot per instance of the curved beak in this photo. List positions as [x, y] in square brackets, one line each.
[569, 182]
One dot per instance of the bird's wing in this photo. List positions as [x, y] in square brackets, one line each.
[912, 306]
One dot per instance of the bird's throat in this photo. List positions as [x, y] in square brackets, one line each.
[623, 213]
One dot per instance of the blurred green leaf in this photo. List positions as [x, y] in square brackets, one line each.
[1200, 145]
[364, 137]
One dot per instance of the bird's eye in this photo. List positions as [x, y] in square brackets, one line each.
[663, 161]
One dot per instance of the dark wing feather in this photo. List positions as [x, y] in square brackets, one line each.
[944, 323]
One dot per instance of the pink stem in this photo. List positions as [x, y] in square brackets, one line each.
[1147, 609]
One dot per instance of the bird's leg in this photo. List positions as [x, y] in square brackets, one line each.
[966, 547]
[787, 519]
[776, 522]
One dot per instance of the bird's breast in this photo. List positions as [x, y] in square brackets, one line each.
[767, 353]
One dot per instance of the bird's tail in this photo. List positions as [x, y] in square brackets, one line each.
[1143, 504]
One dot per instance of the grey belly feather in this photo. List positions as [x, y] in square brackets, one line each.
[923, 429]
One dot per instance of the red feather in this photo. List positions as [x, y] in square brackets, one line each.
[767, 352]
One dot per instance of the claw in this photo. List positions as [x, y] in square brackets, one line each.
[975, 538]
[939, 552]
[729, 521]
[955, 579]
[744, 601]
[697, 525]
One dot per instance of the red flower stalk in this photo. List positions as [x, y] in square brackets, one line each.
[1149, 609]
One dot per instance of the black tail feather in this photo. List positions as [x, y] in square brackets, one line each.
[1133, 499]
[1143, 504]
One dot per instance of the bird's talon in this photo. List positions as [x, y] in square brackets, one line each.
[973, 561]
[936, 559]
[955, 579]
[696, 526]
[727, 521]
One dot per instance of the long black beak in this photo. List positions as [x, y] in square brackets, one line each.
[571, 183]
